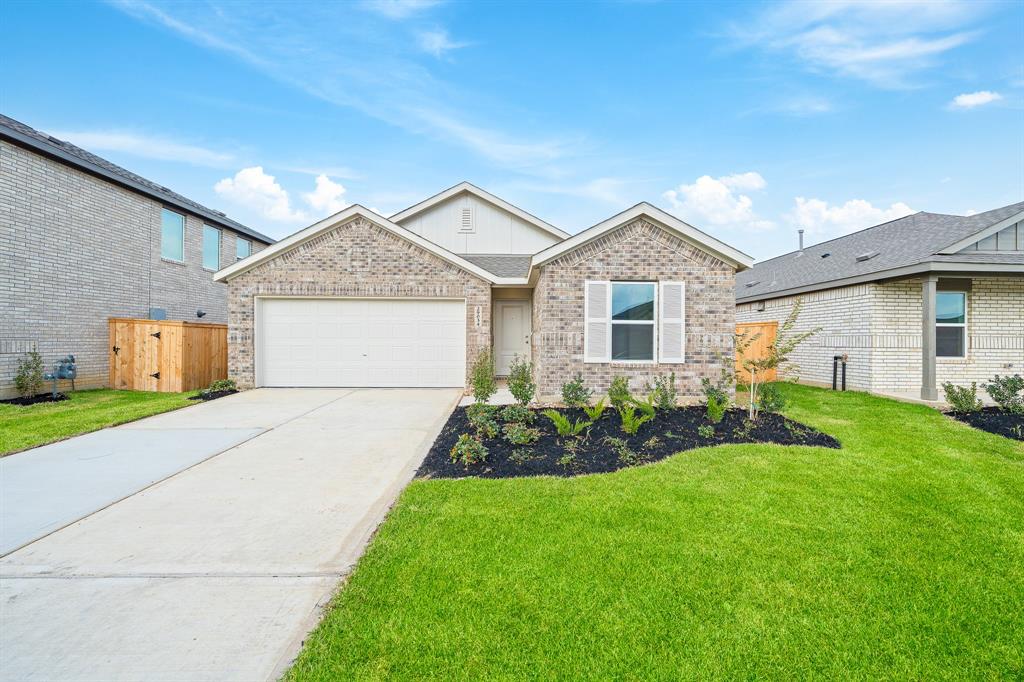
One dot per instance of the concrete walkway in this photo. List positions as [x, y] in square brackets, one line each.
[218, 572]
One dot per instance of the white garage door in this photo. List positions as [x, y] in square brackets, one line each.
[361, 342]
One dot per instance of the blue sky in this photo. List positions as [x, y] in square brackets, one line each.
[747, 120]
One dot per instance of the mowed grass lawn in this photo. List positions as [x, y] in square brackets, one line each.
[899, 556]
[27, 427]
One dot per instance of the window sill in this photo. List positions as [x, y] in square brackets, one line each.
[172, 261]
[947, 359]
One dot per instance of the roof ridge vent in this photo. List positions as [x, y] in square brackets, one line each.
[866, 256]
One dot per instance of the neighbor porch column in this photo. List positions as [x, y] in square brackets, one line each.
[928, 389]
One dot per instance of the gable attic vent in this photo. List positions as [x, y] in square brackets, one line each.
[466, 224]
[866, 256]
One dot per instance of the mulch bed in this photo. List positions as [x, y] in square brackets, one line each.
[674, 431]
[993, 420]
[211, 395]
[36, 399]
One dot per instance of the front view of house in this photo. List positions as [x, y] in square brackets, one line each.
[362, 300]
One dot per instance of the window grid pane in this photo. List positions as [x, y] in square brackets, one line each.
[242, 248]
[211, 248]
[633, 301]
[172, 235]
[949, 307]
[632, 342]
[949, 342]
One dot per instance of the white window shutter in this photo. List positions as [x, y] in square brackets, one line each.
[596, 326]
[673, 323]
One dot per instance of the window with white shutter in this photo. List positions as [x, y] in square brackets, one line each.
[596, 328]
[672, 322]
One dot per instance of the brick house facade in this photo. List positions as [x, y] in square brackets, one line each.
[76, 249]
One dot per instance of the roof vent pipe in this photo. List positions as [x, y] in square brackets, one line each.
[801, 233]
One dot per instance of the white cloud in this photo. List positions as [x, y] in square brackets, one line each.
[821, 219]
[145, 146]
[718, 201]
[398, 9]
[254, 189]
[328, 198]
[969, 100]
[437, 42]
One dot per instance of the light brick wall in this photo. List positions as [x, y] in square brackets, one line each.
[640, 251]
[879, 325]
[357, 259]
[75, 250]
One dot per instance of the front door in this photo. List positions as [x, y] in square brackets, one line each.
[512, 329]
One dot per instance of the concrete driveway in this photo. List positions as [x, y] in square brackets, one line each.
[218, 572]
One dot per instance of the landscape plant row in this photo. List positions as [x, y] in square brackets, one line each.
[1007, 392]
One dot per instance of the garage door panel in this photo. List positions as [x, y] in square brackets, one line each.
[361, 342]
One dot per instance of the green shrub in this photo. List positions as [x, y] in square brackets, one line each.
[481, 377]
[715, 391]
[665, 395]
[771, 398]
[521, 456]
[520, 434]
[517, 413]
[631, 422]
[468, 450]
[1006, 392]
[520, 381]
[28, 380]
[646, 407]
[706, 431]
[715, 409]
[575, 393]
[594, 413]
[622, 450]
[961, 398]
[618, 392]
[222, 385]
[481, 418]
[562, 424]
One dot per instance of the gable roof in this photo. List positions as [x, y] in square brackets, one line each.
[915, 243]
[72, 155]
[502, 264]
[340, 217]
[666, 220]
[468, 188]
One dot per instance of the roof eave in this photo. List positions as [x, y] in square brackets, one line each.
[962, 244]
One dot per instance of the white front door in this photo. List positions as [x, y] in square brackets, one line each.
[512, 329]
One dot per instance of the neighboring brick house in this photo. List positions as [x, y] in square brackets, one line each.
[912, 303]
[362, 300]
[82, 240]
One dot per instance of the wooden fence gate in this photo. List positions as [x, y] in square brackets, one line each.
[756, 350]
[166, 355]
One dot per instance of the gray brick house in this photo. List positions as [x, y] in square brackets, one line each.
[912, 303]
[358, 299]
[82, 240]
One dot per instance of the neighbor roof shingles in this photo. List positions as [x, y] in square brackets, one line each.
[501, 265]
[906, 241]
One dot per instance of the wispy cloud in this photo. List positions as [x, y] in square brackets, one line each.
[145, 146]
[970, 100]
[398, 9]
[323, 52]
[884, 43]
[437, 42]
[720, 201]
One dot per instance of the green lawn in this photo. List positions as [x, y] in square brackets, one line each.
[899, 556]
[27, 427]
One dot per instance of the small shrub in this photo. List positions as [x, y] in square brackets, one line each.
[517, 414]
[715, 390]
[575, 393]
[646, 407]
[520, 381]
[1006, 392]
[481, 418]
[521, 456]
[222, 385]
[481, 377]
[665, 396]
[715, 409]
[652, 443]
[622, 450]
[28, 380]
[961, 398]
[562, 424]
[567, 460]
[631, 422]
[742, 432]
[706, 431]
[594, 413]
[468, 450]
[520, 434]
[770, 398]
[618, 392]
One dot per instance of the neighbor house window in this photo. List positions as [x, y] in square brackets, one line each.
[211, 248]
[632, 321]
[243, 247]
[951, 324]
[172, 236]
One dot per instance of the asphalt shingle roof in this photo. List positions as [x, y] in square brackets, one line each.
[74, 155]
[502, 265]
[907, 241]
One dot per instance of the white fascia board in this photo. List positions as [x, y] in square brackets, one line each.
[483, 195]
[352, 211]
[674, 225]
[959, 246]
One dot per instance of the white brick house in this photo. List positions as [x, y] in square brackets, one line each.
[912, 303]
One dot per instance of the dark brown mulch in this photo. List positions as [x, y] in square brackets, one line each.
[211, 395]
[36, 399]
[993, 420]
[672, 431]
